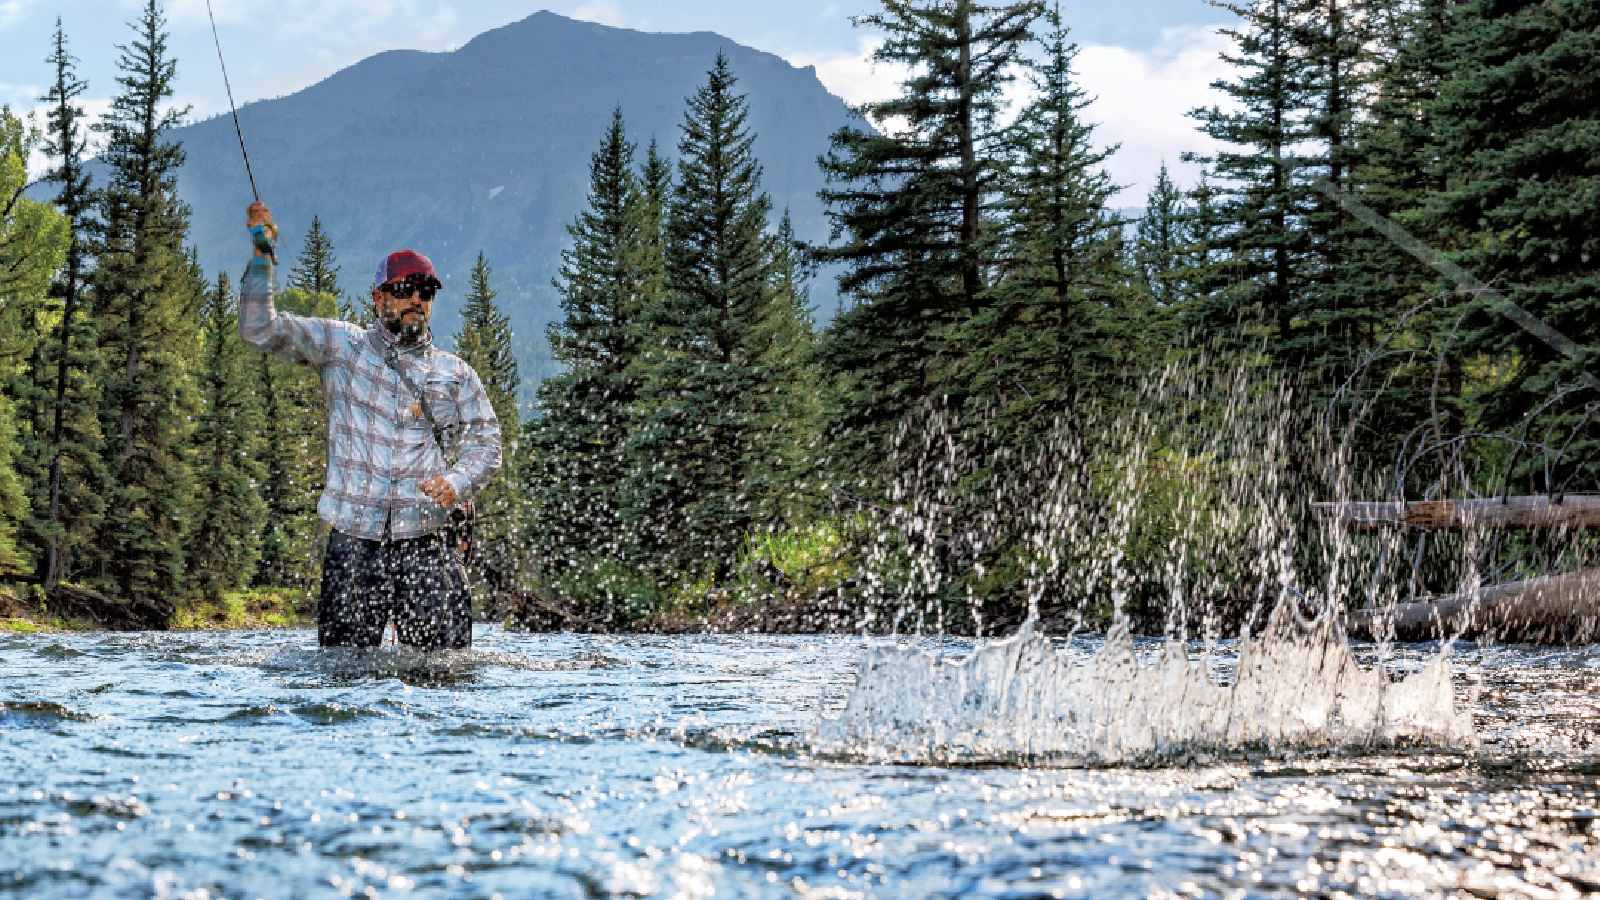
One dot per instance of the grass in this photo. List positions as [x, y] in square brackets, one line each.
[252, 608]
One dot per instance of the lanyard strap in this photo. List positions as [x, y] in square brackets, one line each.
[391, 358]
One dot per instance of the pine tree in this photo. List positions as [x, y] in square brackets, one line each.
[315, 272]
[1518, 212]
[784, 480]
[147, 298]
[572, 462]
[1159, 241]
[645, 253]
[1205, 270]
[227, 537]
[695, 430]
[914, 209]
[1039, 339]
[1414, 373]
[484, 343]
[1340, 320]
[34, 238]
[1262, 196]
[69, 498]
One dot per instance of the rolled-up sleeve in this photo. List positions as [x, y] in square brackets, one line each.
[480, 439]
[295, 338]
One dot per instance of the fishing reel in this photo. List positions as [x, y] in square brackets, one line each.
[265, 236]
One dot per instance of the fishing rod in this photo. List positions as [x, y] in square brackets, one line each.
[260, 234]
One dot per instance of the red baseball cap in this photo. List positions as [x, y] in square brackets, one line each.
[404, 263]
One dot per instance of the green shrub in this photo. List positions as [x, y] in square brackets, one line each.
[811, 558]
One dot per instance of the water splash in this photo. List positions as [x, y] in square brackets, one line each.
[1191, 506]
[1025, 700]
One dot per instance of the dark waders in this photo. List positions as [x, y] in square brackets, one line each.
[416, 582]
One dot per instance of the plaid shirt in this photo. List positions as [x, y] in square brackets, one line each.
[380, 447]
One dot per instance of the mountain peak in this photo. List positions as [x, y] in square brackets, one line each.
[487, 148]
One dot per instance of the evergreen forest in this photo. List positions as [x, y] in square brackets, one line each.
[1390, 259]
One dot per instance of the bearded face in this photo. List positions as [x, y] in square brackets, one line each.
[404, 307]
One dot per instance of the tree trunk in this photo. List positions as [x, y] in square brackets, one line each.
[1554, 609]
[1574, 511]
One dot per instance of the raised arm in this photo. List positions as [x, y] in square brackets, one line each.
[301, 339]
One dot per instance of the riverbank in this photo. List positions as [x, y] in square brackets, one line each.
[25, 610]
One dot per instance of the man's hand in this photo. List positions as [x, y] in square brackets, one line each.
[439, 491]
[263, 233]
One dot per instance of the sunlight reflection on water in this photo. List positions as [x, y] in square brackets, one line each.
[248, 763]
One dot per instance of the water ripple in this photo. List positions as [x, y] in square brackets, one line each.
[562, 765]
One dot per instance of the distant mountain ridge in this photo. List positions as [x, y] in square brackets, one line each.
[487, 148]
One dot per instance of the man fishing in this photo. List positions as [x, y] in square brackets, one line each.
[395, 404]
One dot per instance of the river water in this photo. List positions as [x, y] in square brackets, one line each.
[246, 764]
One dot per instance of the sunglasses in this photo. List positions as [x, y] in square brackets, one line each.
[402, 290]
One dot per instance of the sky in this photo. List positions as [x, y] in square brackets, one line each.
[1147, 62]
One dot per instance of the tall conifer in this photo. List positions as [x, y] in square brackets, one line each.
[689, 493]
[317, 272]
[1519, 211]
[1159, 241]
[913, 209]
[572, 463]
[1042, 337]
[484, 343]
[786, 469]
[1340, 319]
[227, 535]
[1262, 195]
[1414, 372]
[147, 298]
[70, 499]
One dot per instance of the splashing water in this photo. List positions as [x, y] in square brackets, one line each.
[1228, 509]
[1025, 700]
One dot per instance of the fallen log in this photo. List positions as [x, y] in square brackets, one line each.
[1553, 609]
[1573, 511]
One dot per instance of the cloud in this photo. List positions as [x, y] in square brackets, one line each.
[233, 12]
[1142, 100]
[94, 109]
[20, 96]
[1142, 97]
[601, 12]
[11, 11]
[854, 76]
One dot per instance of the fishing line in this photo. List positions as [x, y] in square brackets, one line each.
[229, 88]
[263, 240]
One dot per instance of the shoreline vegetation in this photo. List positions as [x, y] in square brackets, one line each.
[1028, 402]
